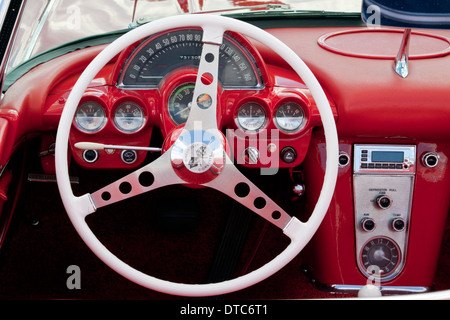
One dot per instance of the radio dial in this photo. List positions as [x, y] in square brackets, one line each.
[368, 224]
[384, 202]
[398, 224]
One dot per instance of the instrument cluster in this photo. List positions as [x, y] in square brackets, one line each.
[289, 117]
[152, 85]
[91, 117]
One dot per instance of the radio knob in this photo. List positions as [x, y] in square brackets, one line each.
[398, 224]
[430, 159]
[384, 202]
[368, 224]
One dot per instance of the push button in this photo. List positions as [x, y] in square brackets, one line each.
[288, 154]
[128, 156]
[90, 156]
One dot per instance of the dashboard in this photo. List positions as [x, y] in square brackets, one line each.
[393, 178]
[265, 111]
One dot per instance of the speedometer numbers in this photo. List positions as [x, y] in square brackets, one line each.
[182, 48]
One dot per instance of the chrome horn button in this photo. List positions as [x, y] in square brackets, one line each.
[198, 156]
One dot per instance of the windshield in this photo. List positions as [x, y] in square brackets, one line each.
[46, 24]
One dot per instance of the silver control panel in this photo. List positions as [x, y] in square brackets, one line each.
[384, 159]
[383, 181]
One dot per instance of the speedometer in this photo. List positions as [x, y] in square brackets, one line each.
[90, 117]
[251, 116]
[164, 53]
[129, 117]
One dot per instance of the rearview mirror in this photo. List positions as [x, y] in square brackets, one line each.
[434, 14]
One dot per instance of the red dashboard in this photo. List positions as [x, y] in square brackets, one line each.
[372, 106]
[249, 113]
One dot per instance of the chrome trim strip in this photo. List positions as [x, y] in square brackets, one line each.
[48, 8]
[401, 60]
[345, 288]
[12, 38]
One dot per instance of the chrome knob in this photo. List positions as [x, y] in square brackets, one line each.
[384, 202]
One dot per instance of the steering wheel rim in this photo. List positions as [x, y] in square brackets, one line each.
[78, 207]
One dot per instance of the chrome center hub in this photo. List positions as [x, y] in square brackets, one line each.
[198, 156]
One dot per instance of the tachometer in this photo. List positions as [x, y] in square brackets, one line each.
[290, 117]
[164, 53]
[90, 117]
[179, 103]
[251, 116]
[129, 117]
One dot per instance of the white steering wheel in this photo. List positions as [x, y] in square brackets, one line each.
[214, 169]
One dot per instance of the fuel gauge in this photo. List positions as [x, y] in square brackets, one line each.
[90, 117]
[251, 116]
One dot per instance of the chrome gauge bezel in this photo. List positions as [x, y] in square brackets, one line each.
[82, 122]
[283, 109]
[120, 121]
[262, 120]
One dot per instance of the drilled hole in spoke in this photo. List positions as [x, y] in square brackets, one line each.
[106, 196]
[207, 78]
[125, 187]
[209, 57]
[242, 190]
[276, 215]
[204, 101]
[146, 179]
[259, 203]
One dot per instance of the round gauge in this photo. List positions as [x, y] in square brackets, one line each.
[90, 117]
[129, 117]
[251, 116]
[382, 253]
[180, 101]
[290, 117]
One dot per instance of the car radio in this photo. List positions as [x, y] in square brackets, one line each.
[384, 159]
[383, 179]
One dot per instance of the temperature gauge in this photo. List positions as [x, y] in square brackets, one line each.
[251, 116]
[290, 117]
[129, 117]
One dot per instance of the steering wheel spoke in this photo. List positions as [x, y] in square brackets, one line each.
[234, 184]
[156, 174]
[204, 100]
